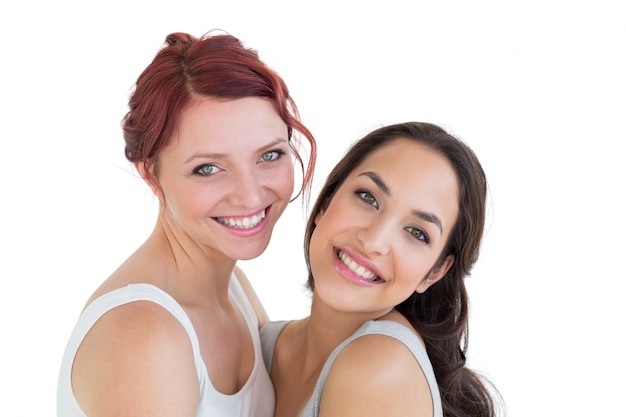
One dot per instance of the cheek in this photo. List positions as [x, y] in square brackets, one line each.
[199, 202]
[283, 182]
[183, 201]
[412, 271]
[317, 252]
[329, 231]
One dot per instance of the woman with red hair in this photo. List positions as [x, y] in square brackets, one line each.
[173, 331]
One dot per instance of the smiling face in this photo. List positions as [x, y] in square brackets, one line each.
[384, 230]
[227, 176]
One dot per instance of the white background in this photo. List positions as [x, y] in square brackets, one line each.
[537, 88]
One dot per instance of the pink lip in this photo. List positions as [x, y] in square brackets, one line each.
[362, 261]
[351, 276]
[251, 231]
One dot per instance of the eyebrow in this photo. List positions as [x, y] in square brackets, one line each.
[377, 180]
[429, 217]
[209, 155]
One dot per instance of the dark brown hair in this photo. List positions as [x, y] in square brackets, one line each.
[440, 314]
[214, 66]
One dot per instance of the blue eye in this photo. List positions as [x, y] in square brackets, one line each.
[367, 197]
[272, 155]
[205, 170]
[418, 234]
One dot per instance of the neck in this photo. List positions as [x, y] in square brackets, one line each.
[324, 330]
[186, 270]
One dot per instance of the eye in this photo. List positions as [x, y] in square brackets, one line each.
[206, 170]
[367, 197]
[272, 155]
[418, 234]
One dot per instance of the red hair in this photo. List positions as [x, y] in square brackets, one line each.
[215, 66]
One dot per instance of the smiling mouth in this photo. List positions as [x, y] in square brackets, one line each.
[356, 268]
[242, 222]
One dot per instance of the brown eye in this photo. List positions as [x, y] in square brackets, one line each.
[418, 234]
[367, 197]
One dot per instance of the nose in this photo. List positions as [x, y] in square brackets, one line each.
[376, 237]
[246, 189]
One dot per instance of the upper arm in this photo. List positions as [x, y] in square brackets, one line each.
[261, 314]
[136, 360]
[376, 375]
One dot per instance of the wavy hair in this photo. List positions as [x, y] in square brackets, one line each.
[440, 314]
[215, 66]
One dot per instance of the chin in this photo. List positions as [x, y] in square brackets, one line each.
[254, 251]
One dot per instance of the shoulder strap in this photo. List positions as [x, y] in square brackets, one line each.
[139, 292]
[385, 328]
[269, 335]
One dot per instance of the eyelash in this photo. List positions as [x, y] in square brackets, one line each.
[367, 197]
[415, 232]
[422, 235]
[198, 170]
[279, 153]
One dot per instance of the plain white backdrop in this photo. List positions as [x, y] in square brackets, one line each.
[537, 88]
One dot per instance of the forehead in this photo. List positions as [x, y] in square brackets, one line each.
[219, 125]
[409, 157]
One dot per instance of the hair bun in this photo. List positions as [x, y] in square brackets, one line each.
[179, 39]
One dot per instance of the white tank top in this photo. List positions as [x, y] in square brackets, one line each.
[256, 397]
[271, 331]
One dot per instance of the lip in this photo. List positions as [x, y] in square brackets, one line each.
[351, 276]
[259, 228]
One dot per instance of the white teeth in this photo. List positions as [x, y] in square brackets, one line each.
[244, 223]
[356, 268]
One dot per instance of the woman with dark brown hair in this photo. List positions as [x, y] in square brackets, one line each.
[394, 232]
[173, 331]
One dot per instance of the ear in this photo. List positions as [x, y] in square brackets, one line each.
[436, 274]
[146, 171]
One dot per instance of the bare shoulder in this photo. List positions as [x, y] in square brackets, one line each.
[252, 297]
[376, 375]
[136, 360]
